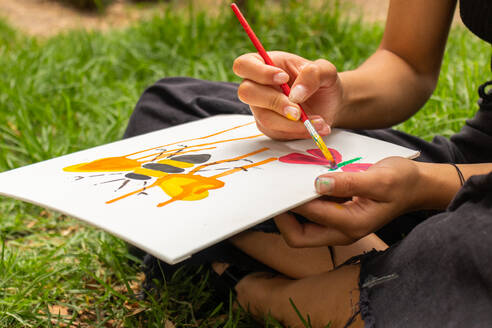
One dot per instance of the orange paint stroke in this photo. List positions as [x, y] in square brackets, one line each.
[198, 168]
[109, 164]
[115, 164]
[210, 135]
[268, 160]
[200, 187]
[207, 144]
[121, 163]
[130, 194]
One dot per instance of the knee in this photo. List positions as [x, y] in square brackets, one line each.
[253, 294]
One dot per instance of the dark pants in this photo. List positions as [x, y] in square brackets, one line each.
[440, 274]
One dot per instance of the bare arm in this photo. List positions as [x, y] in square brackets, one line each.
[385, 90]
[401, 75]
[439, 183]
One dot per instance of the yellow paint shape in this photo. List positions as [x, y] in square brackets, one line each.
[109, 164]
[179, 164]
[150, 173]
[189, 188]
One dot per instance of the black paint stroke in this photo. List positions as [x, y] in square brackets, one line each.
[163, 168]
[192, 159]
[110, 181]
[136, 176]
[158, 155]
[123, 184]
[178, 151]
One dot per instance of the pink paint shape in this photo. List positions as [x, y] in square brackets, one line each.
[356, 167]
[317, 159]
[336, 155]
[297, 158]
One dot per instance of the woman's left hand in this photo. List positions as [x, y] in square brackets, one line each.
[366, 201]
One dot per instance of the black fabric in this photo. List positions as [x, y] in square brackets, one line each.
[442, 270]
[178, 100]
[477, 16]
[440, 275]
[447, 254]
[475, 138]
[156, 271]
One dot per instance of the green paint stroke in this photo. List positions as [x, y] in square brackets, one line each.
[350, 161]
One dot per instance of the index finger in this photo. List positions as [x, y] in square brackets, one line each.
[299, 235]
[354, 218]
[252, 67]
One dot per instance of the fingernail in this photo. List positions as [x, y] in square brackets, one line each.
[281, 78]
[325, 130]
[297, 94]
[320, 125]
[324, 185]
[292, 113]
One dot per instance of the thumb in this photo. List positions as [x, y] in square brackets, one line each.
[348, 184]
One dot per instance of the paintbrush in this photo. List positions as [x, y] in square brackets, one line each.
[285, 87]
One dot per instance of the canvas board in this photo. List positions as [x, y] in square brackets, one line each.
[179, 190]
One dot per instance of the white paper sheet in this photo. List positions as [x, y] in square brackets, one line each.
[176, 191]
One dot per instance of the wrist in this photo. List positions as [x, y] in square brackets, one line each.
[436, 186]
[342, 114]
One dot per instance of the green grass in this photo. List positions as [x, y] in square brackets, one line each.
[466, 65]
[77, 90]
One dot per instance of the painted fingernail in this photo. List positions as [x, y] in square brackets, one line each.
[281, 78]
[325, 130]
[292, 113]
[320, 125]
[298, 93]
[324, 185]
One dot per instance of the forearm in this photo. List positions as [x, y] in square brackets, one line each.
[438, 183]
[401, 75]
[382, 92]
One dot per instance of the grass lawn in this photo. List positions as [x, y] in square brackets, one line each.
[77, 90]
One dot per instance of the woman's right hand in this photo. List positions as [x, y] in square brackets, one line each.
[314, 84]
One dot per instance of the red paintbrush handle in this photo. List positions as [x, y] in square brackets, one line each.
[259, 47]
